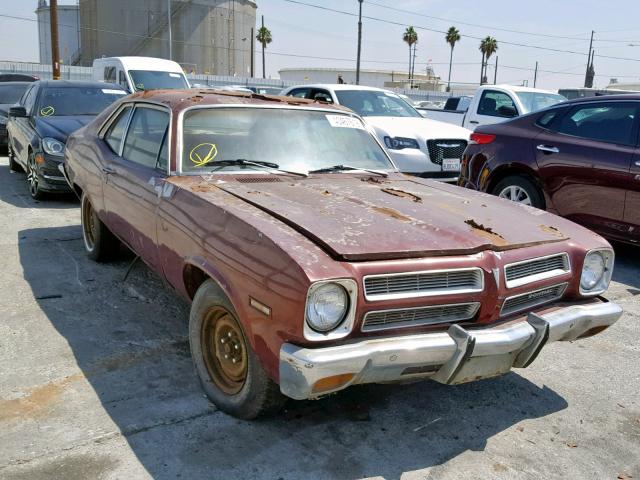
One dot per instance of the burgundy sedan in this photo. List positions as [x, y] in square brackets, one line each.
[310, 263]
[579, 159]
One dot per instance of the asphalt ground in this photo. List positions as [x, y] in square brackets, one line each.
[96, 382]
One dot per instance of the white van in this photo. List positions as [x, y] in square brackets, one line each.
[140, 73]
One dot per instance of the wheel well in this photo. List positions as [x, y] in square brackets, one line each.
[78, 190]
[517, 171]
[193, 277]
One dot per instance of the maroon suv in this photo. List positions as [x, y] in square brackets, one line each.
[579, 159]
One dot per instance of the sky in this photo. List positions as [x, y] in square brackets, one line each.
[526, 32]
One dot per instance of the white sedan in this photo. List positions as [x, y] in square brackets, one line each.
[417, 145]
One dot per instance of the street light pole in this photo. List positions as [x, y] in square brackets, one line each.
[170, 39]
[359, 42]
[586, 73]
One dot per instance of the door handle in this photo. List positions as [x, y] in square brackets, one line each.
[475, 122]
[548, 149]
[108, 170]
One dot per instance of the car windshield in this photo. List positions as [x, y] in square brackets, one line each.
[67, 101]
[534, 101]
[375, 103]
[294, 139]
[152, 80]
[11, 93]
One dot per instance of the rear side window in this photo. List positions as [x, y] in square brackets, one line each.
[110, 74]
[115, 133]
[299, 92]
[610, 122]
[546, 120]
[496, 104]
[144, 137]
[122, 80]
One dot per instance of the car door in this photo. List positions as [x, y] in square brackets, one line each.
[584, 161]
[134, 179]
[632, 200]
[21, 128]
[494, 106]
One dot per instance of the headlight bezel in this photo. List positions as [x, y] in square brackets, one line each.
[47, 144]
[401, 143]
[342, 328]
[602, 284]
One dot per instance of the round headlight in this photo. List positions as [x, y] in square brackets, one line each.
[327, 306]
[592, 270]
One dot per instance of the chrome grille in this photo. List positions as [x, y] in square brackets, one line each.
[421, 284]
[413, 317]
[531, 299]
[535, 269]
[443, 148]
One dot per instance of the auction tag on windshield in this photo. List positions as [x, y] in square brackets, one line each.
[174, 75]
[344, 121]
[113, 92]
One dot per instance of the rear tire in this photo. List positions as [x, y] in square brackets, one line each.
[229, 370]
[13, 165]
[101, 245]
[519, 189]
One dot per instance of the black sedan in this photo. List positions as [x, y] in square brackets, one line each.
[10, 93]
[38, 127]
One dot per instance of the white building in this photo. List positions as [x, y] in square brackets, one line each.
[68, 33]
[371, 78]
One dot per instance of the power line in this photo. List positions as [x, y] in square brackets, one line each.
[502, 42]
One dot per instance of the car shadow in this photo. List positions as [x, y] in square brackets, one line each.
[130, 340]
[625, 270]
[14, 191]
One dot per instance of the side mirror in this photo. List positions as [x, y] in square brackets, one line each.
[17, 111]
[507, 111]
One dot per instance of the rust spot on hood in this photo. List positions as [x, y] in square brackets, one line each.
[401, 193]
[552, 230]
[375, 180]
[486, 232]
[390, 212]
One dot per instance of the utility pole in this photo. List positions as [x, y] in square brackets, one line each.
[55, 54]
[586, 73]
[413, 64]
[169, 21]
[252, 38]
[495, 72]
[359, 42]
[535, 76]
[264, 74]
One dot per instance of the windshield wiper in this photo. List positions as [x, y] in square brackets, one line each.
[337, 168]
[254, 163]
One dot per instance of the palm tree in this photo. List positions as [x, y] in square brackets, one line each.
[452, 37]
[488, 46]
[410, 37]
[264, 37]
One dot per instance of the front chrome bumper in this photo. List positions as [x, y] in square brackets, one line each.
[451, 357]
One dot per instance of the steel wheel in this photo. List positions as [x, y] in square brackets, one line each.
[224, 350]
[32, 178]
[89, 227]
[516, 194]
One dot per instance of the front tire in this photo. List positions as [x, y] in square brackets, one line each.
[229, 370]
[13, 165]
[519, 189]
[33, 180]
[101, 245]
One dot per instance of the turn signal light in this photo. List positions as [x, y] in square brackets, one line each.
[331, 383]
[482, 138]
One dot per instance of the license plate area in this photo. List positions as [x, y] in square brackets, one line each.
[450, 165]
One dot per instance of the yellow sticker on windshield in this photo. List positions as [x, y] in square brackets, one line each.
[203, 153]
[47, 111]
[139, 86]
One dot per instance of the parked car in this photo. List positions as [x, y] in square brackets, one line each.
[579, 159]
[10, 93]
[495, 104]
[17, 77]
[311, 264]
[135, 74]
[42, 120]
[418, 146]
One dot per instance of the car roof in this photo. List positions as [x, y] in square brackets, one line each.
[605, 98]
[78, 83]
[142, 63]
[16, 83]
[341, 86]
[181, 99]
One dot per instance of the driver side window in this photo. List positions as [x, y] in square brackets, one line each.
[496, 104]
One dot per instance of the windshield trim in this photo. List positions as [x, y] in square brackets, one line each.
[179, 134]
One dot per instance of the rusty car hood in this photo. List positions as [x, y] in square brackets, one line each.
[356, 218]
